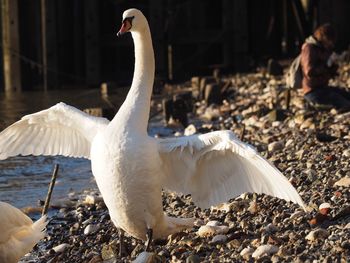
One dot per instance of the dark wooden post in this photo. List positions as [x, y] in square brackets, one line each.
[235, 26]
[228, 40]
[51, 43]
[92, 41]
[43, 42]
[284, 42]
[10, 45]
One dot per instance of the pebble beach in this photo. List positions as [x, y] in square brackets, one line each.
[310, 147]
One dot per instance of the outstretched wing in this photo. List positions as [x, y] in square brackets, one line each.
[216, 166]
[59, 130]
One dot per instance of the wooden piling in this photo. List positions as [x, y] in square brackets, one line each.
[43, 42]
[10, 45]
[92, 42]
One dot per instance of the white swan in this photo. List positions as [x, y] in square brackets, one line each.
[131, 168]
[18, 233]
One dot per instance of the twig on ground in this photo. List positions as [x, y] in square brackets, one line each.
[52, 184]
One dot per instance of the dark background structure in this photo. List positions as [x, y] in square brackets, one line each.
[74, 42]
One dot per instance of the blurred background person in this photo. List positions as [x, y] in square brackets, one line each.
[318, 67]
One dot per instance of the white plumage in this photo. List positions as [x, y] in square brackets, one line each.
[18, 233]
[131, 168]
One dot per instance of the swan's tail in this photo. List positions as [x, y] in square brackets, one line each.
[33, 234]
[38, 229]
[22, 240]
[178, 224]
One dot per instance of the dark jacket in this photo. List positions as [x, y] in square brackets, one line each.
[316, 73]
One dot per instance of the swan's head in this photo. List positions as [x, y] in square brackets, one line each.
[133, 21]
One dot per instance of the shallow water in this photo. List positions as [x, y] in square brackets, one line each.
[25, 179]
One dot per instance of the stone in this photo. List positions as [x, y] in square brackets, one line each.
[346, 153]
[275, 146]
[147, 257]
[345, 181]
[193, 259]
[271, 228]
[61, 248]
[247, 252]
[307, 124]
[324, 208]
[90, 229]
[265, 250]
[96, 259]
[222, 207]
[92, 199]
[296, 215]
[190, 130]
[219, 239]
[318, 234]
[208, 230]
[289, 143]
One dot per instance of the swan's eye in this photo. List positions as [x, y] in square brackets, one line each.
[129, 19]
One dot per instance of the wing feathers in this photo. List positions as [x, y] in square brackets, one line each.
[216, 166]
[59, 130]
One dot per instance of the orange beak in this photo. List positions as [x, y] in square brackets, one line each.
[126, 26]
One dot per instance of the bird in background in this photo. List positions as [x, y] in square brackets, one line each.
[131, 168]
[18, 233]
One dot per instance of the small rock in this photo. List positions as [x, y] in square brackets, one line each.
[297, 214]
[190, 130]
[247, 252]
[90, 229]
[147, 257]
[222, 207]
[209, 230]
[87, 221]
[271, 228]
[198, 222]
[213, 223]
[346, 153]
[345, 181]
[60, 248]
[311, 174]
[300, 154]
[324, 208]
[307, 124]
[253, 207]
[275, 146]
[318, 234]
[193, 259]
[109, 251]
[289, 142]
[265, 250]
[92, 200]
[96, 259]
[219, 239]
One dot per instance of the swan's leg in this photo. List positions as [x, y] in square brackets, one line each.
[121, 242]
[149, 235]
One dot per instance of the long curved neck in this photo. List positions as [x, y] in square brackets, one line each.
[136, 107]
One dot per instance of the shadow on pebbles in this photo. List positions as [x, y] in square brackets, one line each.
[310, 147]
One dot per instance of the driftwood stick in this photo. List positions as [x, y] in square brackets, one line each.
[49, 192]
[287, 98]
[241, 135]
